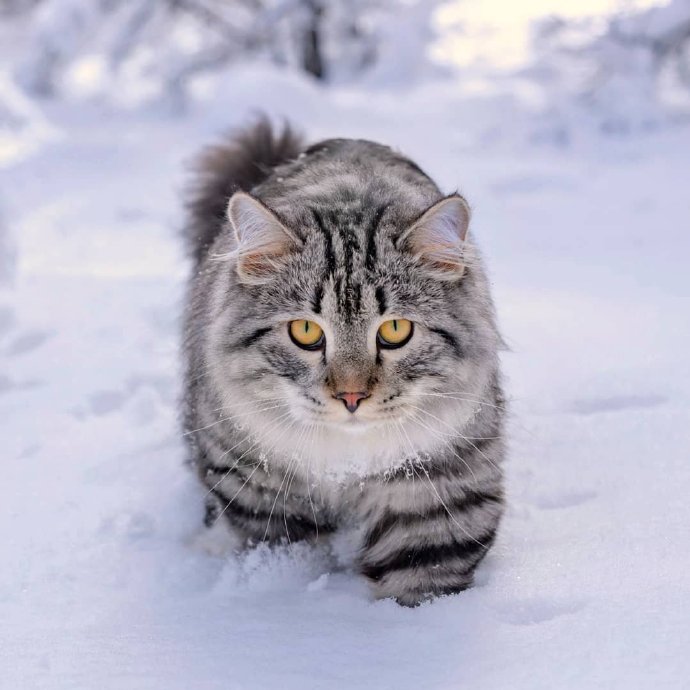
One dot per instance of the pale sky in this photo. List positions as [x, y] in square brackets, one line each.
[497, 31]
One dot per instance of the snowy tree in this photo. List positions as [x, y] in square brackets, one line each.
[157, 48]
[630, 69]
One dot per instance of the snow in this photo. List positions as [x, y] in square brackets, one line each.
[105, 580]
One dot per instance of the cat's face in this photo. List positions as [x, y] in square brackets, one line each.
[361, 363]
[348, 343]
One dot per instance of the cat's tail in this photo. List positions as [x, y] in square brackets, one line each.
[239, 162]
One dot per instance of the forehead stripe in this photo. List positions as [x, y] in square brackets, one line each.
[371, 236]
[381, 299]
[328, 241]
[316, 301]
[356, 297]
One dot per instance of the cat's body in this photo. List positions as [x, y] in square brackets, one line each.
[399, 442]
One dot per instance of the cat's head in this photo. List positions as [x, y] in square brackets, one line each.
[354, 333]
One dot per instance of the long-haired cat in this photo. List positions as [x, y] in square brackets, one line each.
[341, 358]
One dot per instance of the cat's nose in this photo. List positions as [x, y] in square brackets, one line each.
[351, 400]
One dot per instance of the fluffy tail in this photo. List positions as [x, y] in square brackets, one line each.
[240, 162]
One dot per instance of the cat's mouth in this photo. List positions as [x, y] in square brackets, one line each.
[354, 424]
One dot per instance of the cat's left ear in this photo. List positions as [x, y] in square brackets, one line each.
[437, 237]
[263, 242]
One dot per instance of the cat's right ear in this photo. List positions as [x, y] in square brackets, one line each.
[437, 238]
[262, 241]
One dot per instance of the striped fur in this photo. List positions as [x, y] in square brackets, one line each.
[415, 473]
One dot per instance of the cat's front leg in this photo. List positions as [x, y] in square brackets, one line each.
[263, 506]
[424, 534]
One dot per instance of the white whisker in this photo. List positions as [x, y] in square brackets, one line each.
[463, 398]
[309, 457]
[435, 490]
[449, 446]
[275, 500]
[231, 417]
[278, 424]
[445, 507]
[461, 436]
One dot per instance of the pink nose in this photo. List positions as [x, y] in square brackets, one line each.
[352, 400]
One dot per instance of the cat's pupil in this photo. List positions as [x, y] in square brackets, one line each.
[395, 325]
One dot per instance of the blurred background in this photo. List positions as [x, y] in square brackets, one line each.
[565, 124]
[620, 65]
[545, 73]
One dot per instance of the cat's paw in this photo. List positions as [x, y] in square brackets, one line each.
[413, 588]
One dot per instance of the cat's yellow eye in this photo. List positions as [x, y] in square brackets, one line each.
[394, 333]
[306, 334]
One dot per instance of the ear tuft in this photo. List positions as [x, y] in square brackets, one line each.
[437, 237]
[262, 240]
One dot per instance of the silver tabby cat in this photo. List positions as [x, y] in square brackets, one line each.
[341, 358]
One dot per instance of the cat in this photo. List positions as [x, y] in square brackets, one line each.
[341, 358]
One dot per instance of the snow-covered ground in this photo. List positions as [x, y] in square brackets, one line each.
[102, 581]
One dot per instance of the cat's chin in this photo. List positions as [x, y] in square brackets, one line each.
[354, 425]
